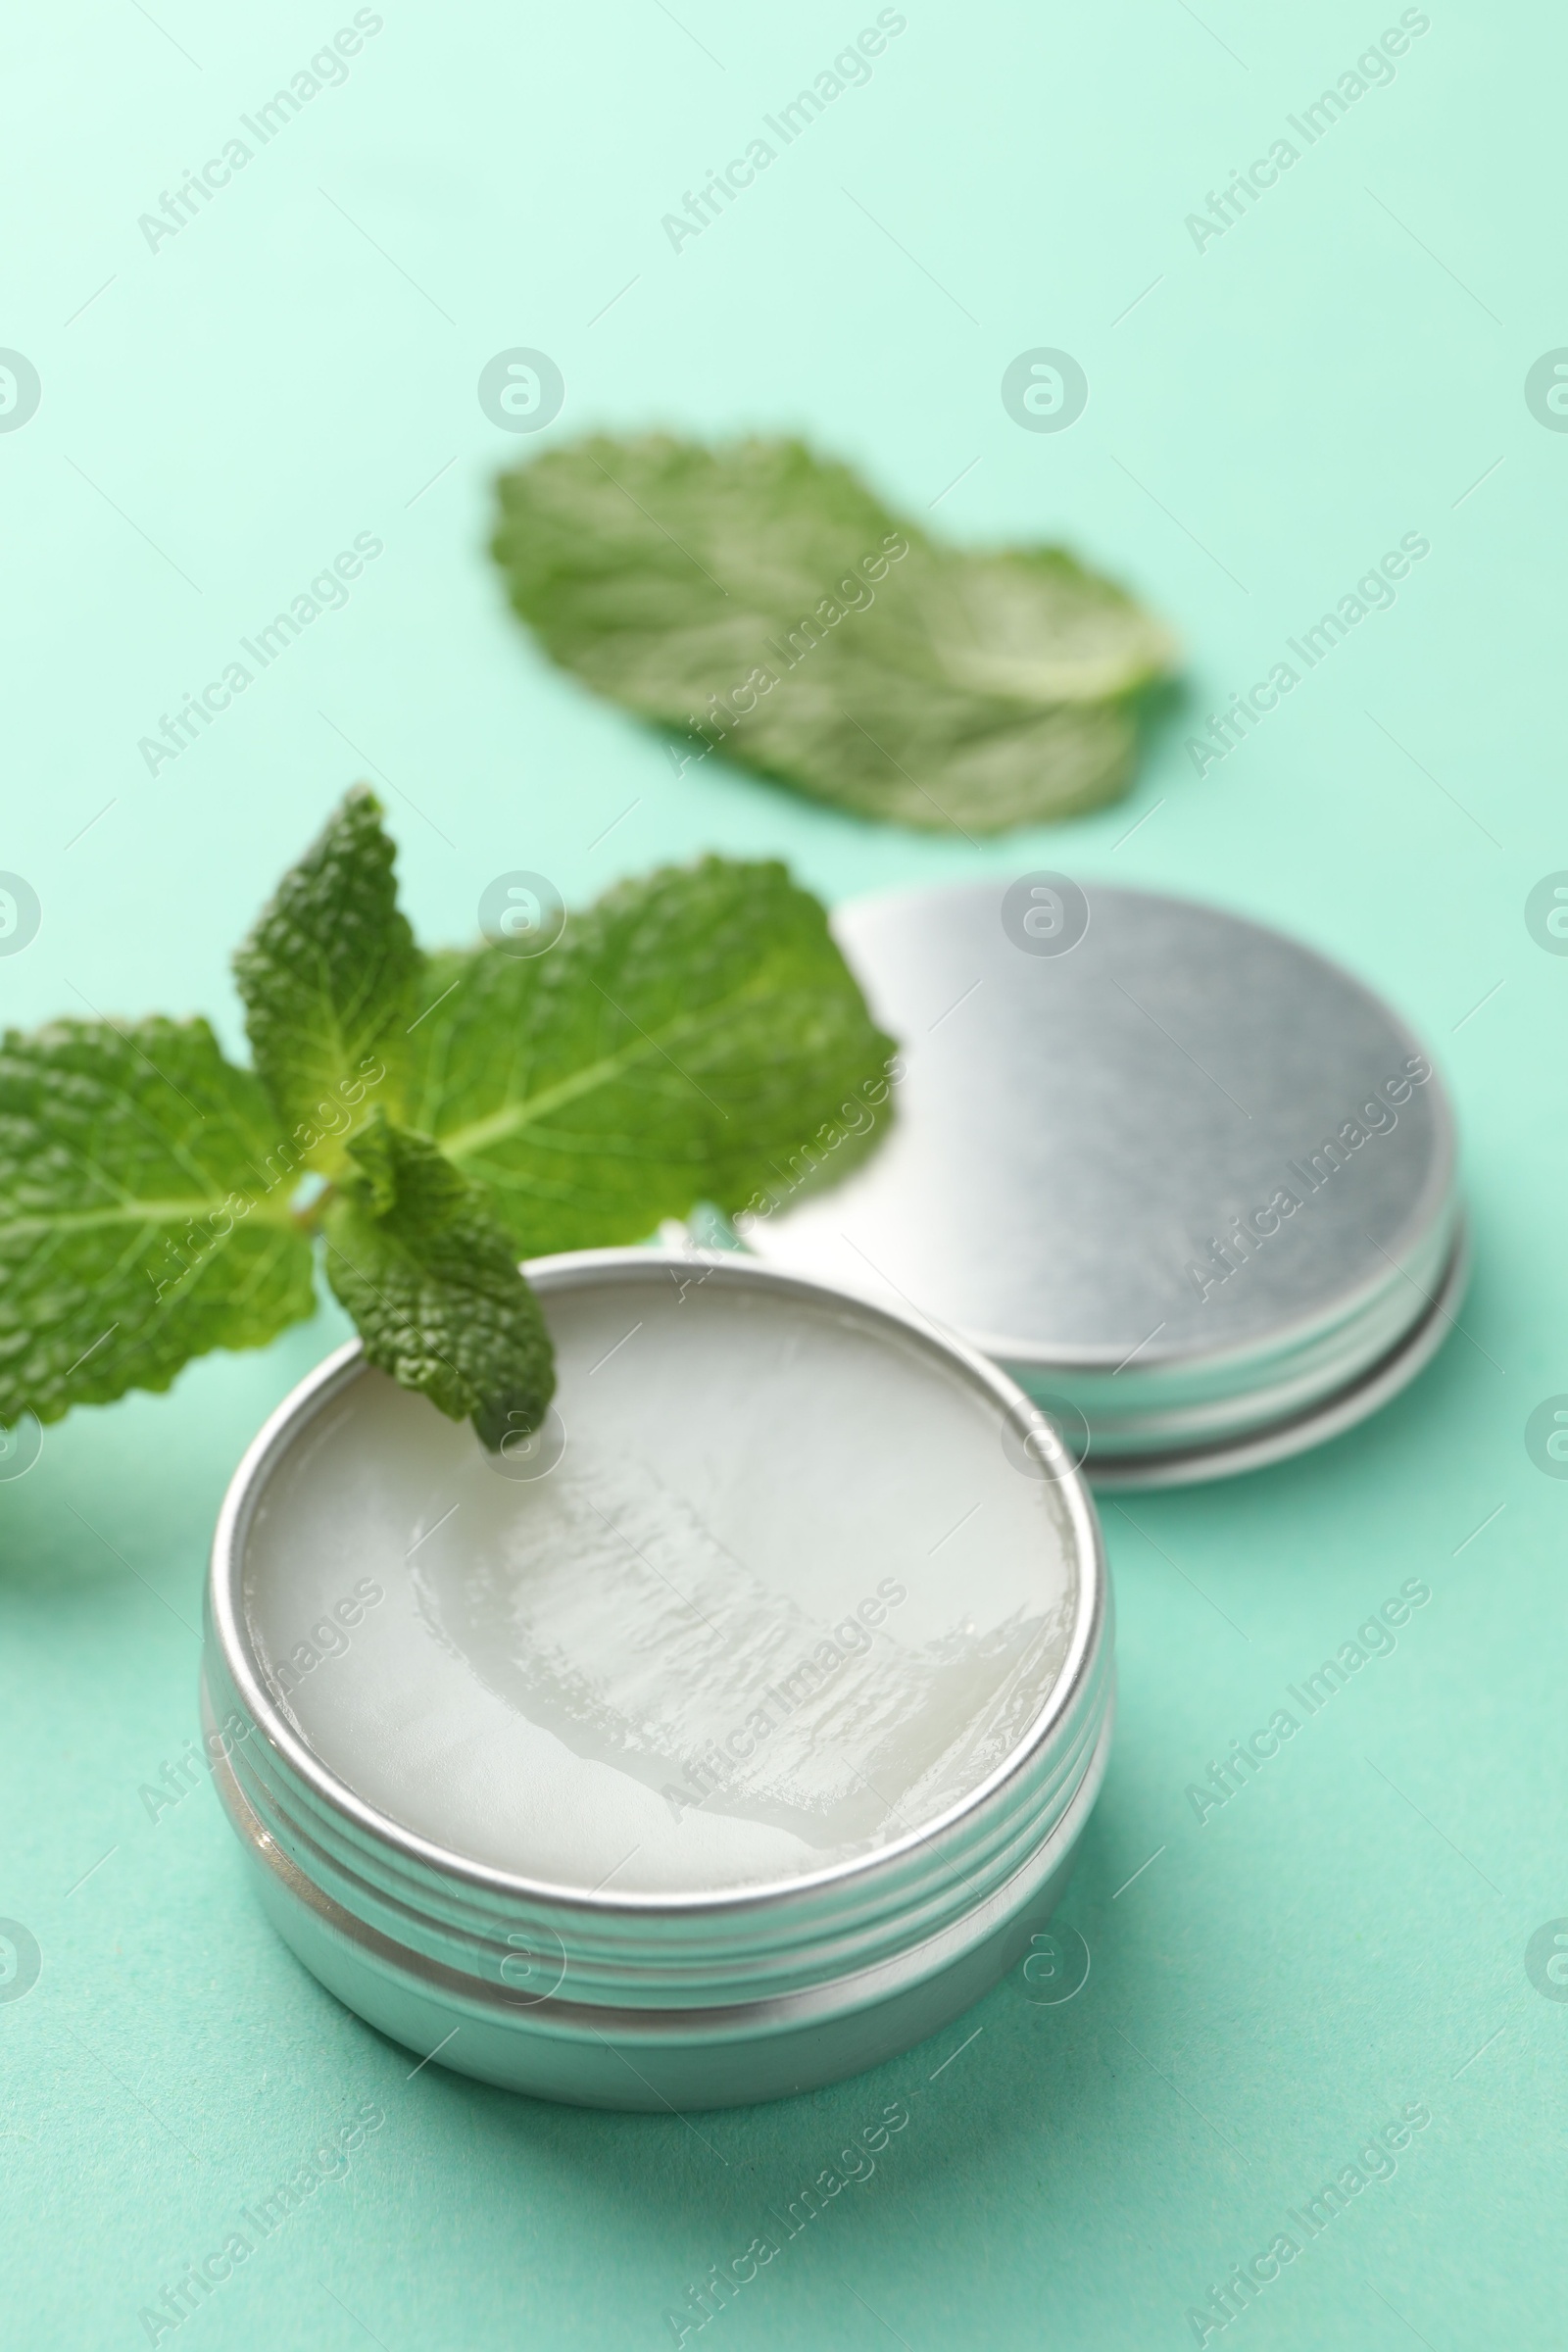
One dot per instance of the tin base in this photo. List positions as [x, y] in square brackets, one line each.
[660, 2060]
[1110, 1474]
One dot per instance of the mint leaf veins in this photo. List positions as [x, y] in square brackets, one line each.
[686, 1037]
[432, 1283]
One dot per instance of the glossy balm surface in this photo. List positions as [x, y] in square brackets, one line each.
[785, 1596]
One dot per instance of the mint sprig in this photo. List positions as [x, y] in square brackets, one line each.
[432, 1282]
[762, 603]
[684, 1038]
[328, 975]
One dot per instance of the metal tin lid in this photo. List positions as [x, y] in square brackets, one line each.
[1190, 1183]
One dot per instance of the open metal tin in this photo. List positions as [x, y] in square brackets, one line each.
[427, 1781]
[1190, 1183]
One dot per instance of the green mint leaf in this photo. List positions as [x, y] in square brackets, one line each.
[142, 1220]
[683, 1041]
[327, 977]
[763, 603]
[432, 1282]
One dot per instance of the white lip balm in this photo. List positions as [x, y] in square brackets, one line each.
[782, 1597]
[782, 1590]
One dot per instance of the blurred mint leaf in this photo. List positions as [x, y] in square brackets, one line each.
[327, 977]
[432, 1283]
[143, 1212]
[759, 599]
[686, 1034]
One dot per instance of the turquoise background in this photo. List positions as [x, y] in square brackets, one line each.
[1345, 363]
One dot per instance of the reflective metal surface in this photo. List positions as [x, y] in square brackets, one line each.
[650, 2000]
[1192, 1183]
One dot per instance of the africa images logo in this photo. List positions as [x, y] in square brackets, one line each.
[1547, 1436]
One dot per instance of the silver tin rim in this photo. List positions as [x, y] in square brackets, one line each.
[663, 1954]
[648, 2023]
[1329, 1417]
